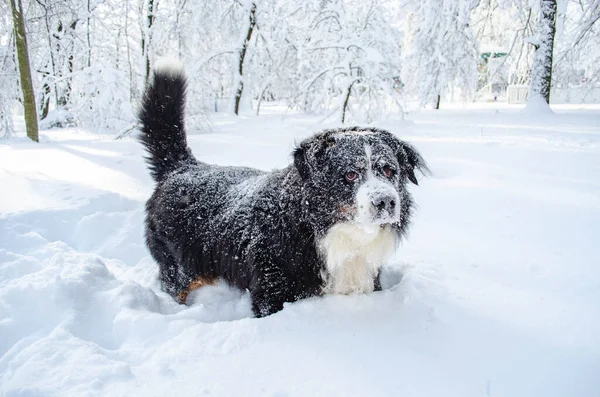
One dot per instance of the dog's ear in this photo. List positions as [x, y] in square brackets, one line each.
[412, 161]
[408, 157]
[309, 154]
[300, 162]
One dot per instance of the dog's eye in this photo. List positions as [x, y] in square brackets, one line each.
[351, 176]
[388, 171]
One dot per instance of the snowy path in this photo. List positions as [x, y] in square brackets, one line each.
[496, 292]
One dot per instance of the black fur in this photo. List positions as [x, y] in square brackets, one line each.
[256, 230]
[163, 132]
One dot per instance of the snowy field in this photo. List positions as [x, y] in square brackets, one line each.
[495, 293]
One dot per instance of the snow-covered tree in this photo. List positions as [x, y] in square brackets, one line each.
[577, 59]
[8, 72]
[349, 61]
[346, 59]
[501, 28]
[8, 79]
[442, 52]
[101, 100]
[541, 72]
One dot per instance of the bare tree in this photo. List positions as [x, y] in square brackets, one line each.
[151, 7]
[31, 122]
[64, 47]
[241, 56]
[8, 80]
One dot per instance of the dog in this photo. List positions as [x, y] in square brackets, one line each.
[323, 225]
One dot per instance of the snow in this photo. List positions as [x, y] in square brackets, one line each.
[496, 292]
[168, 65]
[537, 105]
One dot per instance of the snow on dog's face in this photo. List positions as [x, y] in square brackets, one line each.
[358, 175]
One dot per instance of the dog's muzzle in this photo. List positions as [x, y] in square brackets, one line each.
[384, 208]
[377, 204]
[384, 203]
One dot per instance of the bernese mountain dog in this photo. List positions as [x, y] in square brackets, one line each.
[323, 225]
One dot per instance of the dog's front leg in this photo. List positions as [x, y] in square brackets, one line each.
[271, 288]
[377, 281]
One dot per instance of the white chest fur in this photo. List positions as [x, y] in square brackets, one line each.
[353, 255]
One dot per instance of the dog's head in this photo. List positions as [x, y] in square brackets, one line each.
[359, 175]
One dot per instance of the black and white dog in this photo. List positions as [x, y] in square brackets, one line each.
[324, 224]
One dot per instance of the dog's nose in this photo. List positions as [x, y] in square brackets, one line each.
[384, 202]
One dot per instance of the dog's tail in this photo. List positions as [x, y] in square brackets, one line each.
[161, 117]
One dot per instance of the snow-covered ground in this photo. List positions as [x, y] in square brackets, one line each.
[495, 293]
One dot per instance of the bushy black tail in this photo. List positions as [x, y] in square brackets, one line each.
[161, 116]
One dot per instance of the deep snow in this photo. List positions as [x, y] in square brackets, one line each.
[495, 293]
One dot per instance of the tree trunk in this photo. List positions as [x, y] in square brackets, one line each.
[45, 106]
[260, 99]
[87, 35]
[437, 103]
[52, 73]
[541, 72]
[71, 49]
[242, 55]
[346, 100]
[146, 39]
[61, 100]
[131, 82]
[31, 122]
[64, 39]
